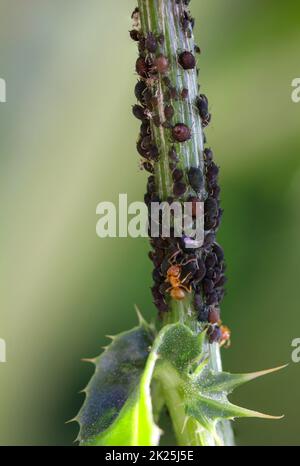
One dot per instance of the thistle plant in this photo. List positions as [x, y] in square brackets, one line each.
[174, 365]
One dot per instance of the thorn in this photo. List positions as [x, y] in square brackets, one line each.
[255, 375]
[141, 319]
[72, 420]
[110, 337]
[89, 360]
[267, 416]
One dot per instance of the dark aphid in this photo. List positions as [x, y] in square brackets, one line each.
[212, 172]
[208, 286]
[139, 90]
[169, 112]
[142, 46]
[148, 167]
[161, 64]
[173, 155]
[202, 105]
[146, 143]
[177, 174]
[145, 129]
[213, 315]
[221, 282]
[135, 35]
[181, 132]
[156, 275]
[196, 178]
[187, 60]
[218, 251]
[164, 287]
[179, 188]
[214, 334]
[197, 49]
[184, 93]
[153, 152]
[138, 112]
[142, 67]
[151, 43]
[140, 148]
[210, 222]
[212, 298]
[208, 155]
[190, 268]
[198, 302]
[209, 239]
[201, 272]
[211, 260]
[211, 207]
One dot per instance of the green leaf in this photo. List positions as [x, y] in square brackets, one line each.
[117, 410]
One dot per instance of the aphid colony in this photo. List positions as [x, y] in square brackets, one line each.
[180, 272]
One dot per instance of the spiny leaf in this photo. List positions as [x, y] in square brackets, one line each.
[114, 398]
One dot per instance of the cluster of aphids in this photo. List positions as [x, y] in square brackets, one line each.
[179, 270]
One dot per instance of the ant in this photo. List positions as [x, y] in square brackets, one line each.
[178, 288]
[226, 334]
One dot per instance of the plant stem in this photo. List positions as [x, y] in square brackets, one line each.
[164, 18]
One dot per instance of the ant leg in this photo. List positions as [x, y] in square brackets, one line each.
[186, 278]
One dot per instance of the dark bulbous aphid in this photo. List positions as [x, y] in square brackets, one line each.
[209, 239]
[215, 335]
[181, 132]
[211, 207]
[213, 315]
[177, 174]
[169, 112]
[218, 251]
[211, 260]
[187, 60]
[156, 275]
[221, 282]
[198, 302]
[138, 112]
[212, 298]
[161, 64]
[179, 188]
[151, 42]
[139, 90]
[208, 155]
[212, 172]
[135, 35]
[148, 167]
[208, 286]
[153, 152]
[141, 67]
[197, 49]
[196, 178]
[145, 129]
[200, 273]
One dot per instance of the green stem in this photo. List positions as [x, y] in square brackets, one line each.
[164, 17]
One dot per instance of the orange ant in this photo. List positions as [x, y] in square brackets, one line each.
[178, 288]
[226, 334]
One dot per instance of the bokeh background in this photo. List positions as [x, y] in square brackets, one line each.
[67, 142]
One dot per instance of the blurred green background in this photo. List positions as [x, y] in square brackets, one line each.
[67, 142]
